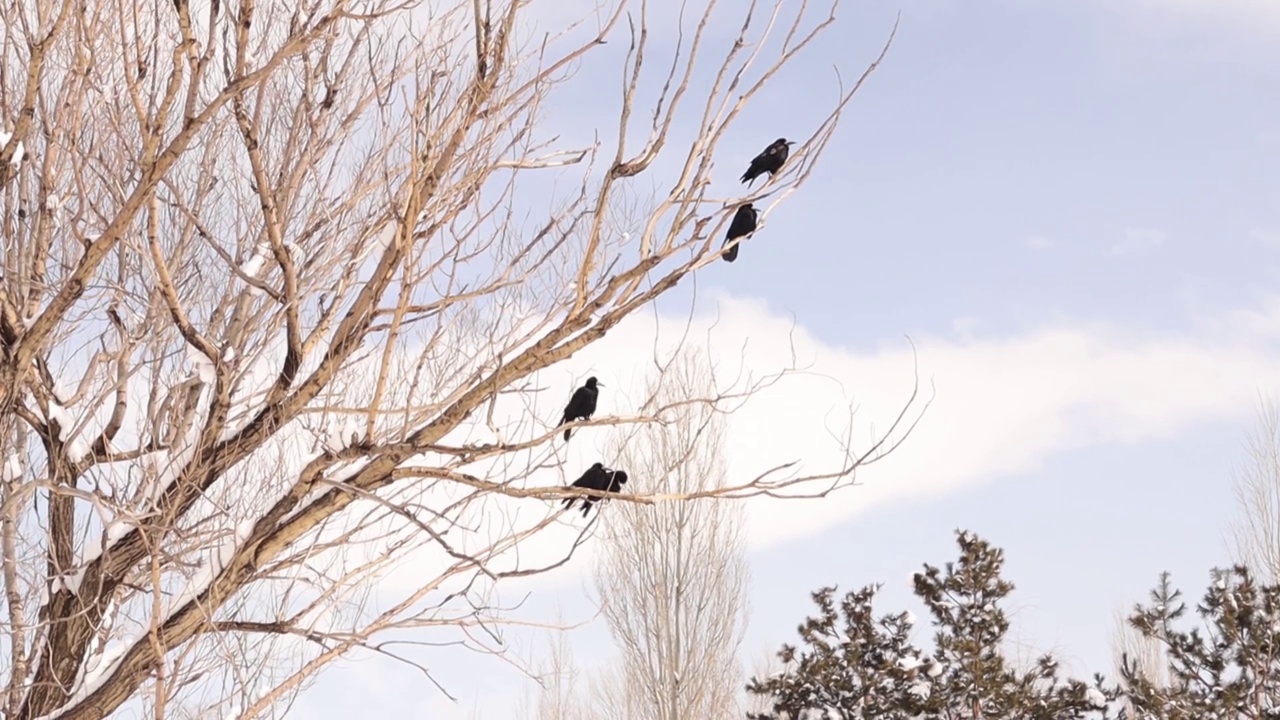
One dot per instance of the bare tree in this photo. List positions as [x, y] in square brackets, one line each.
[272, 316]
[1256, 525]
[559, 695]
[673, 578]
[1144, 654]
[766, 664]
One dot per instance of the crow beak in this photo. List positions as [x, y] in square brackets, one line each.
[600, 384]
[791, 142]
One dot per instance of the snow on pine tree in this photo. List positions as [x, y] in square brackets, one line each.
[1227, 668]
[853, 665]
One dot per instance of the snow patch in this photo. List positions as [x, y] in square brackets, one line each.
[385, 236]
[324, 485]
[209, 569]
[91, 550]
[344, 435]
[118, 529]
[95, 673]
[204, 365]
[70, 581]
[382, 240]
[53, 205]
[167, 465]
[1095, 697]
[12, 469]
[77, 449]
[920, 690]
[253, 265]
[306, 458]
[63, 418]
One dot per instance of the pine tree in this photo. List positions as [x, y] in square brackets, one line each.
[855, 667]
[1229, 668]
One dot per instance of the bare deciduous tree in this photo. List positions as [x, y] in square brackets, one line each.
[273, 309]
[766, 664]
[672, 578]
[1256, 525]
[1145, 655]
[559, 695]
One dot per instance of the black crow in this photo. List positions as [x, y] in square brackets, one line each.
[769, 161]
[597, 477]
[617, 478]
[742, 225]
[583, 403]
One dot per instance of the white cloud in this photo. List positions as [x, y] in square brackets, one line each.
[1040, 242]
[1138, 240]
[1003, 405]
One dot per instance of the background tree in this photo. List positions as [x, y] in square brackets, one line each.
[1226, 668]
[765, 663]
[278, 281]
[854, 666]
[559, 694]
[672, 577]
[1256, 482]
[1144, 656]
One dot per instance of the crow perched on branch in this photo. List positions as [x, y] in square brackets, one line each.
[769, 161]
[597, 477]
[742, 225]
[583, 403]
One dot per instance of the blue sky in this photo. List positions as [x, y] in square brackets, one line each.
[996, 122]
[1073, 208]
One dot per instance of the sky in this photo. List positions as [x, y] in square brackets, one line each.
[1072, 209]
